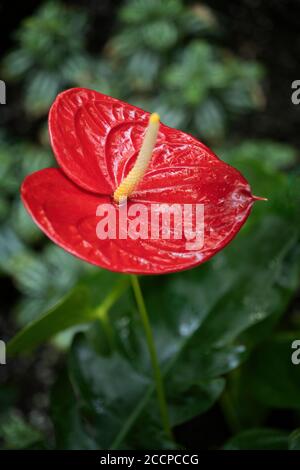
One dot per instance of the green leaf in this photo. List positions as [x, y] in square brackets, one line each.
[50, 35]
[123, 44]
[199, 318]
[187, 401]
[111, 386]
[121, 396]
[23, 224]
[68, 424]
[294, 440]
[138, 11]
[259, 439]
[210, 119]
[43, 278]
[16, 433]
[71, 311]
[272, 377]
[10, 248]
[238, 97]
[8, 396]
[17, 63]
[142, 69]
[160, 35]
[173, 116]
[41, 92]
[270, 154]
[198, 20]
[76, 308]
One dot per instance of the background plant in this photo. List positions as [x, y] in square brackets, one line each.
[213, 324]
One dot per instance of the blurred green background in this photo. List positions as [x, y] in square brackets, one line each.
[78, 376]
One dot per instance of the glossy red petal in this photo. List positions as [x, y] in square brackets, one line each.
[83, 124]
[67, 214]
[96, 140]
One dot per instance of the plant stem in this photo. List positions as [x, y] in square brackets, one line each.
[101, 312]
[227, 402]
[153, 356]
[110, 299]
[230, 413]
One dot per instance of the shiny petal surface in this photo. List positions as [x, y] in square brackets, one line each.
[96, 140]
[83, 124]
[67, 214]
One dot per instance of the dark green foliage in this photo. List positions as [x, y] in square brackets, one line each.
[223, 331]
[259, 439]
[163, 52]
[45, 40]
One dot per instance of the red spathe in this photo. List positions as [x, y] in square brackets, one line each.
[96, 140]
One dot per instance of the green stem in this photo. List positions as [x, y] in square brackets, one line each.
[229, 412]
[111, 298]
[101, 312]
[227, 402]
[153, 356]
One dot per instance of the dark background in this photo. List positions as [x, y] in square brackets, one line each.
[264, 30]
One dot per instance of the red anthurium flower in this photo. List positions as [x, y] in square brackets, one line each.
[96, 140]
